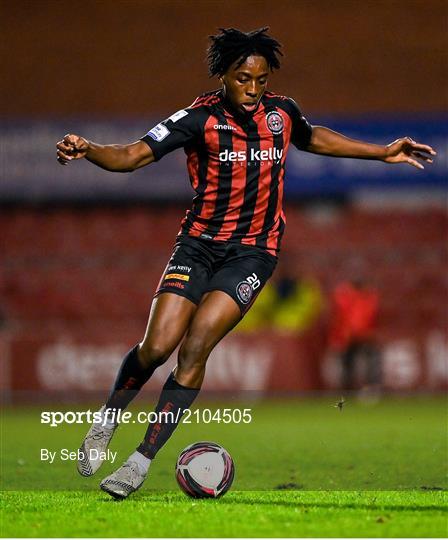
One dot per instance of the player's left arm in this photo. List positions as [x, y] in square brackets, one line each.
[330, 143]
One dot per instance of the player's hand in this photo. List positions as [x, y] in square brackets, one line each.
[71, 147]
[406, 150]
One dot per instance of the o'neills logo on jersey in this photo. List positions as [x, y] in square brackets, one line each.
[271, 154]
[225, 127]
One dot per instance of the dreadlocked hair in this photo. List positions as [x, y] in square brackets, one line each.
[232, 45]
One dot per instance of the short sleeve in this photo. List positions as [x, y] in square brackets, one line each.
[301, 129]
[175, 132]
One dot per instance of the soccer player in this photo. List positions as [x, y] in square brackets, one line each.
[236, 140]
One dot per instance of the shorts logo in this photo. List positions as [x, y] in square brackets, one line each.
[182, 277]
[174, 284]
[244, 292]
[274, 121]
[159, 132]
[246, 288]
[179, 268]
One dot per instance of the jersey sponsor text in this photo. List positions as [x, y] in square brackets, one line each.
[271, 154]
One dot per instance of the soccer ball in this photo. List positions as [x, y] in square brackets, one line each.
[204, 469]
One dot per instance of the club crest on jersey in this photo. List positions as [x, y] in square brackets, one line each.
[274, 121]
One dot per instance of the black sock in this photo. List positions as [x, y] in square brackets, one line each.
[130, 379]
[174, 399]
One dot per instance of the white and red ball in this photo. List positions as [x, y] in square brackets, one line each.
[204, 469]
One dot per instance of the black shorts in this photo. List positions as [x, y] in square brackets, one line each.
[198, 266]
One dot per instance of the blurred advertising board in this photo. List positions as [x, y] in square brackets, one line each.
[78, 364]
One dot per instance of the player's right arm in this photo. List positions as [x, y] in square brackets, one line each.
[111, 157]
[180, 129]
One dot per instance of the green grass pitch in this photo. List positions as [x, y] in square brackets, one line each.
[303, 469]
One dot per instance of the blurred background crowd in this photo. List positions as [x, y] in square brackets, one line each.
[359, 299]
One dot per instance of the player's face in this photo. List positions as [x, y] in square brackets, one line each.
[244, 85]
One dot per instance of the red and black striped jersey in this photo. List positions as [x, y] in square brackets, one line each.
[236, 166]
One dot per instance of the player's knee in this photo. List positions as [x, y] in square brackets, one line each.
[190, 370]
[153, 353]
[194, 352]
